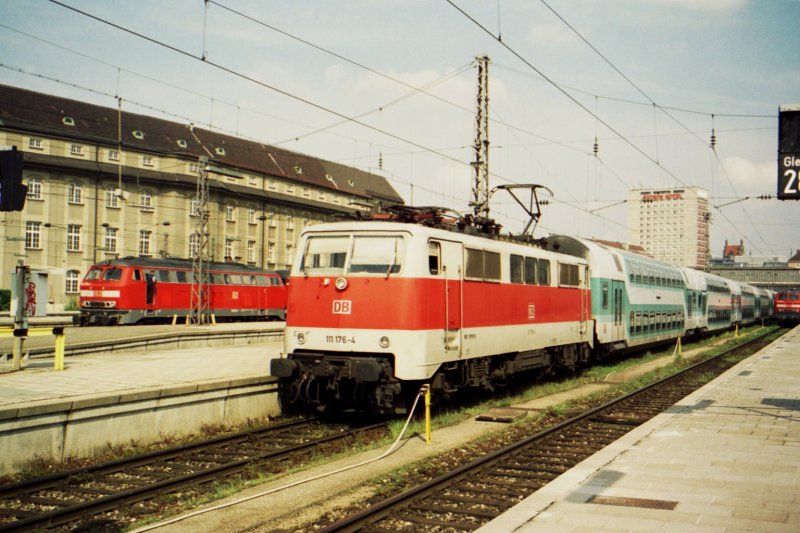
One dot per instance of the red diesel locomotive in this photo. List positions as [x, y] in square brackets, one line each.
[136, 289]
[787, 306]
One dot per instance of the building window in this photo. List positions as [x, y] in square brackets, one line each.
[74, 193]
[112, 200]
[35, 144]
[144, 242]
[251, 252]
[76, 150]
[34, 188]
[273, 222]
[194, 245]
[73, 238]
[271, 184]
[113, 155]
[230, 211]
[146, 199]
[147, 160]
[72, 281]
[33, 235]
[289, 255]
[251, 216]
[289, 189]
[306, 192]
[271, 253]
[289, 222]
[111, 240]
[194, 208]
[229, 250]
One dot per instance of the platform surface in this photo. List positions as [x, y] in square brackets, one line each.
[124, 373]
[725, 458]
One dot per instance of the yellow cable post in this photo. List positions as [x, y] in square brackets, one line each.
[680, 348]
[428, 436]
[736, 333]
[174, 319]
[213, 320]
[60, 344]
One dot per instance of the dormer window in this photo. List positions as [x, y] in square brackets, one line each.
[298, 170]
[68, 121]
[138, 134]
[351, 183]
[35, 144]
[219, 150]
[182, 143]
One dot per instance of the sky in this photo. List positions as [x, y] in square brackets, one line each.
[391, 87]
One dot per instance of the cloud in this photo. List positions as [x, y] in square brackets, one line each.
[708, 6]
[751, 178]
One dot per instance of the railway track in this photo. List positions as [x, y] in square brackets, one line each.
[103, 494]
[470, 496]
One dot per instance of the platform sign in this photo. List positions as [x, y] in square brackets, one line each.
[789, 152]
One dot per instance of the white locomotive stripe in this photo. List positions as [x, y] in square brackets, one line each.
[100, 294]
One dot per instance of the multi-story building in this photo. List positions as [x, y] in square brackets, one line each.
[103, 184]
[671, 224]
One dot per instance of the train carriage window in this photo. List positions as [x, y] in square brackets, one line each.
[530, 271]
[434, 257]
[325, 255]
[516, 266]
[544, 272]
[605, 296]
[637, 272]
[377, 255]
[112, 274]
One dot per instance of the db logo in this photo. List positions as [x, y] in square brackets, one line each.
[531, 311]
[342, 307]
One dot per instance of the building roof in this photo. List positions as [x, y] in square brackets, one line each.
[795, 258]
[733, 249]
[48, 115]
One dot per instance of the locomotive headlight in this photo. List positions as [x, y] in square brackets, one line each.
[384, 342]
[341, 284]
[300, 337]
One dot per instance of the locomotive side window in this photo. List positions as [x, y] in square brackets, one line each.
[181, 276]
[544, 272]
[434, 257]
[517, 265]
[474, 267]
[137, 275]
[530, 271]
[163, 275]
[376, 255]
[325, 255]
[568, 275]
[482, 265]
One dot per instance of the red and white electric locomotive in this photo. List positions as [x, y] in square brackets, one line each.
[377, 308]
[787, 306]
[134, 289]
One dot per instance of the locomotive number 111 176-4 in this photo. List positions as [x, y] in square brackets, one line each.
[339, 339]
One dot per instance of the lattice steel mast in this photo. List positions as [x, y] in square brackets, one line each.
[480, 185]
[200, 314]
